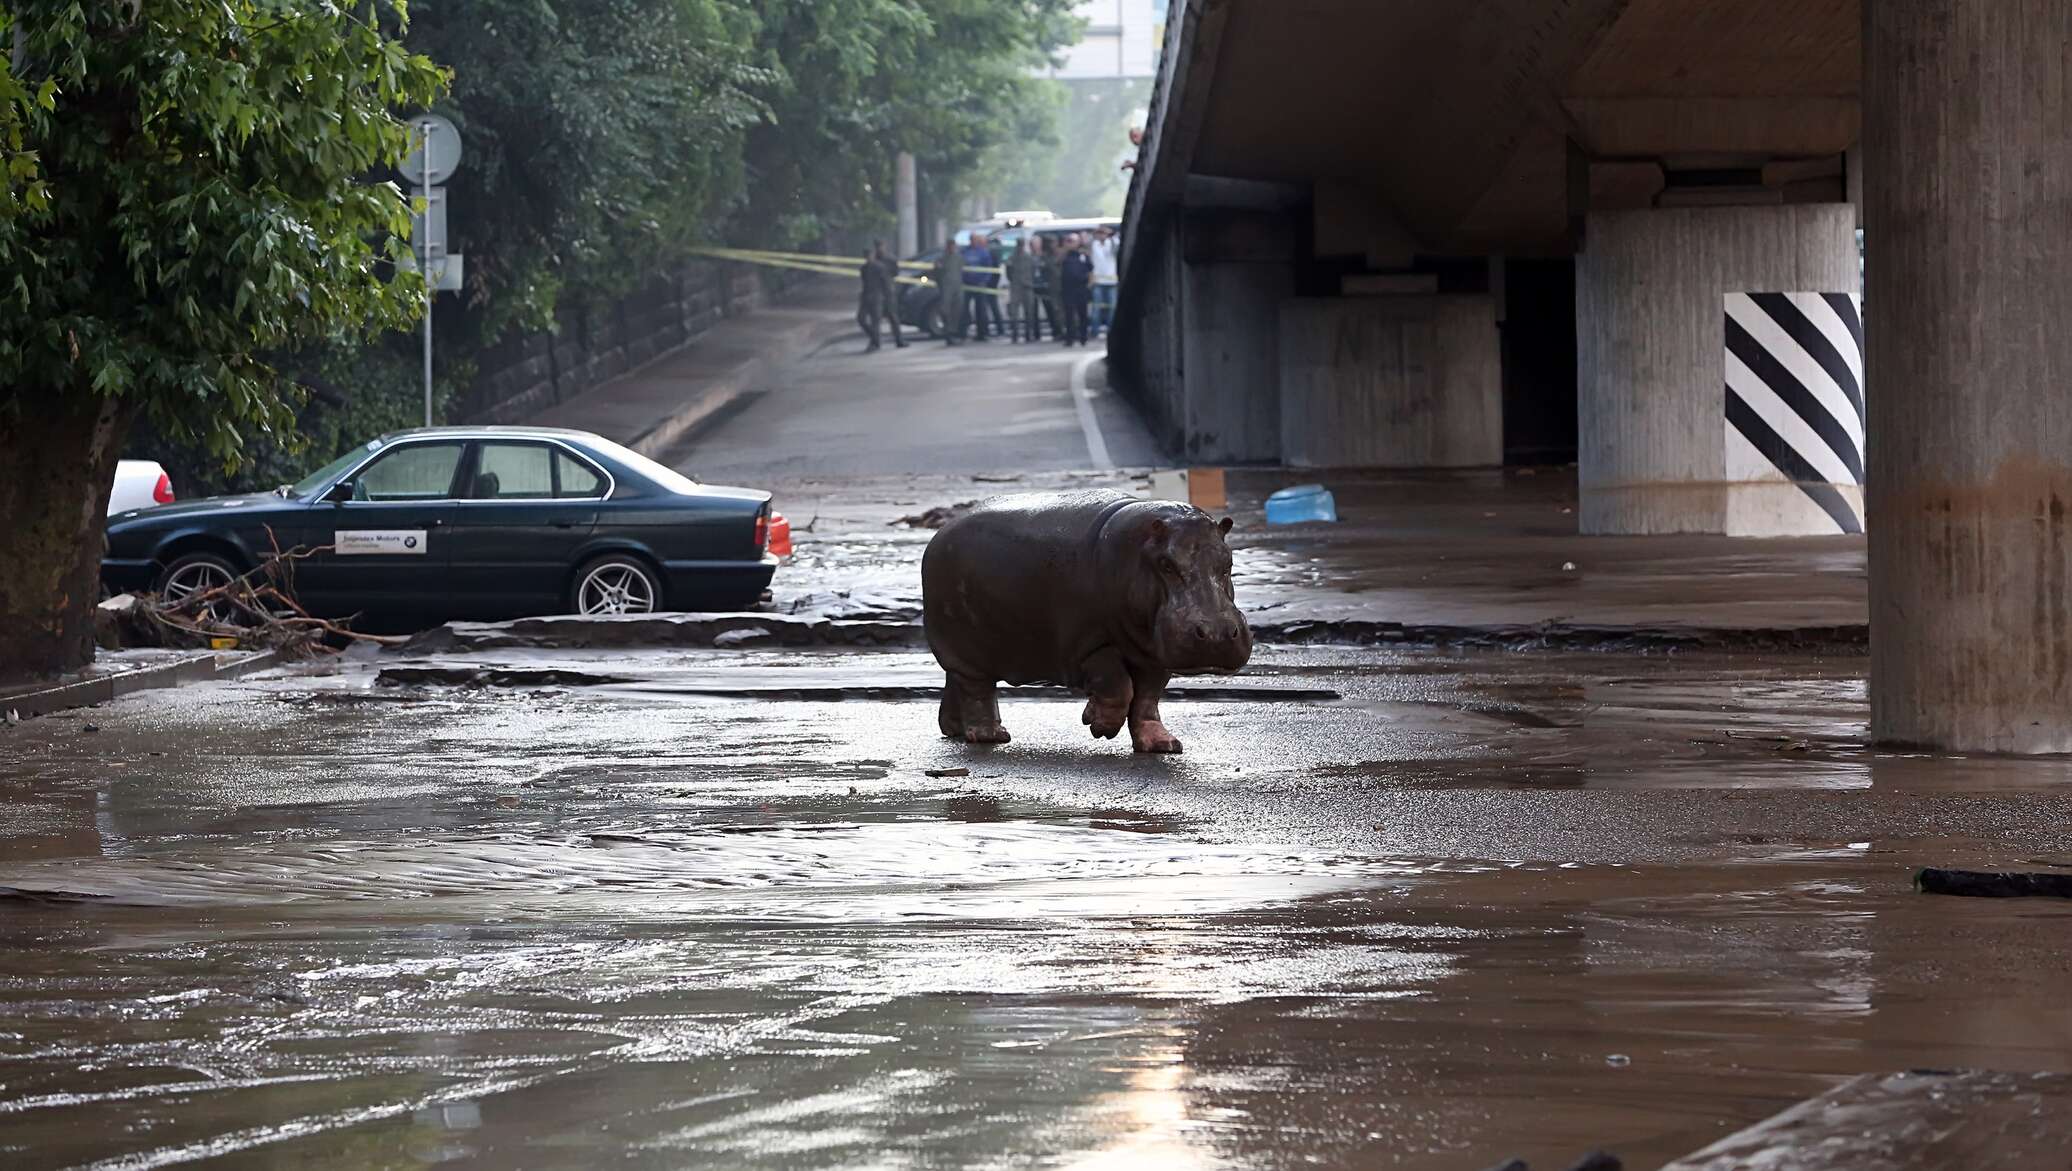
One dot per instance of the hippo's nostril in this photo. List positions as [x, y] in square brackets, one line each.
[1201, 632]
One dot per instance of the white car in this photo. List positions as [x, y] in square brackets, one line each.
[139, 483]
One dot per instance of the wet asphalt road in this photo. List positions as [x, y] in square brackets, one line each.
[929, 409]
[1477, 905]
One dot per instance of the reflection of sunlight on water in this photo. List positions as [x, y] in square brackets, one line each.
[1153, 1113]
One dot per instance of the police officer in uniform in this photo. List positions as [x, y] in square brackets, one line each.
[880, 297]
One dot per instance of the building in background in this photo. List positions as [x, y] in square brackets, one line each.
[1121, 41]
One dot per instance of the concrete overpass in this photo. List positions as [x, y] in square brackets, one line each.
[1433, 233]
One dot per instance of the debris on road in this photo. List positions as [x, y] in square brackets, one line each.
[940, 773]
[938, 516]
[1981, 884]
[257, 610]
[1301, 503]
[746, 636]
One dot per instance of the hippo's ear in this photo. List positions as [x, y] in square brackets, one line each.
[1224, 525]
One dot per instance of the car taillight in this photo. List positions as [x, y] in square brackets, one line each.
[762, 530]
[163, 493]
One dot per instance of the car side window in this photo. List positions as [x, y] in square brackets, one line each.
[513, 471]
[418, 471]
[576, 478]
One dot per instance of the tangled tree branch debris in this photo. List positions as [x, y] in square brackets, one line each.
[257, 609]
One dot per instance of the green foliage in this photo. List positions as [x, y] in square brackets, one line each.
[187, 195]
[197, 190]
[862, 80]
[600, 136]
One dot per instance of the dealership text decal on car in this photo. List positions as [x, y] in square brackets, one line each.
[378, 541]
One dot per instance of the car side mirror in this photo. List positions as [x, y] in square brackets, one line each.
[340, 492]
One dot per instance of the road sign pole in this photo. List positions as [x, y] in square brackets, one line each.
[426, 167]
[424, 269]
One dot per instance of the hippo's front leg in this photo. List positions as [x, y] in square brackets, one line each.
[1108, 694]
[1147, 733]
[978, 710]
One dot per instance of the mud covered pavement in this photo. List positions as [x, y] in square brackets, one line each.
[1480, 905]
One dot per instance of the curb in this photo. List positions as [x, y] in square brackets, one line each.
[198, 667]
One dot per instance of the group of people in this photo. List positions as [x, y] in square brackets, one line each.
[1066, 282]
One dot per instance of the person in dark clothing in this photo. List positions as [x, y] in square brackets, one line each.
[880, 297]
[1075, 290]
[980, 306]
[949, 281]
[1047, 286]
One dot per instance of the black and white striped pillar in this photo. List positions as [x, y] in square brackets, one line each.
[1794, 413]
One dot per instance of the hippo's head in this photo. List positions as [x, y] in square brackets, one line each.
[1195, 623]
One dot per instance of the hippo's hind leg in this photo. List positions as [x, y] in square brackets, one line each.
[1108, 694]
[977, 713]
[950, 717]
[1147, 732]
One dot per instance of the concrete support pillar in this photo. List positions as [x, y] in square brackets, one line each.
[1391, 382]
[906, 192]
[1718, 371]
[1968, 142]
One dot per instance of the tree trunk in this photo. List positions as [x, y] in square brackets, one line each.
[60, 463]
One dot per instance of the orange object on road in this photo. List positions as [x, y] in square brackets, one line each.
[780, 535]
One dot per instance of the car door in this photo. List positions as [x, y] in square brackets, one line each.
[385, 533]
[528, 509]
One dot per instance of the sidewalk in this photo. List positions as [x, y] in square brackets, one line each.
[113, 674]
[656, 405]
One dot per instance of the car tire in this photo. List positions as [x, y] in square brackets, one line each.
[931, 320]
[615, 583]
[192, 573]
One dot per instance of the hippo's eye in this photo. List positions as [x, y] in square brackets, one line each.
[1169, 567]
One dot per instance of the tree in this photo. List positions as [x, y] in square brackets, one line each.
[603, 137]
[862, 80]
[186, 195]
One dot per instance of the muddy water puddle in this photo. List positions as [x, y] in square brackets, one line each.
[1476, 907]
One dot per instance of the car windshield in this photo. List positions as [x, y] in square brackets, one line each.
[316, 479]
[663, 477]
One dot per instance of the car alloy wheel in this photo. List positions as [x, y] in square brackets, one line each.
[198, 574]
[616, 587]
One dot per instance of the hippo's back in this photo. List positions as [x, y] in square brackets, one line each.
[1012, 589]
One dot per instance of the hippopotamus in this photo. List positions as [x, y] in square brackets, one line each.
[1099, 591]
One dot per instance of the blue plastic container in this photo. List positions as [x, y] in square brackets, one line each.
[1303, 502]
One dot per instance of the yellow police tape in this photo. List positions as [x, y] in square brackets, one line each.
[835, 265]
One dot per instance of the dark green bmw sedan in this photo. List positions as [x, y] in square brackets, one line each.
[468, 522]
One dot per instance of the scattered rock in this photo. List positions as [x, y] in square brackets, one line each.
[454, 676]
[1568, 567]
[1985, 885]
[939, 773]
[91, 728]
[572, 632]
[1618, 1060]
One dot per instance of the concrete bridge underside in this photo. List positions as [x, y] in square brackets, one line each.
[1625, 232]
